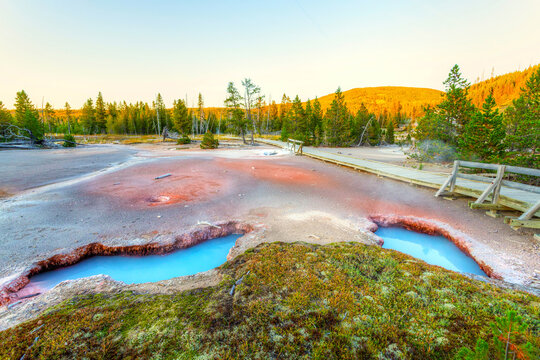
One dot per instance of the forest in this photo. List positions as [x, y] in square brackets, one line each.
[466, 121]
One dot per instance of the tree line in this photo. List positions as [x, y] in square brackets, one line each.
[485, 133]
[246, 112]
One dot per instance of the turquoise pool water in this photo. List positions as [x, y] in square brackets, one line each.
[435, 250]
[140, 269]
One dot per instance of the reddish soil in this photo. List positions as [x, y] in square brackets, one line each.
[189, 182]
[277, 172]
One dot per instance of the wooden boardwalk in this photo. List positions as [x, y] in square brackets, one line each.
[512, 198]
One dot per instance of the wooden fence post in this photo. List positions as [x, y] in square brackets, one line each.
[493, 187]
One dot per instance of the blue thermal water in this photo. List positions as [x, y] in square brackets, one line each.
[435, 250]
[139, 269]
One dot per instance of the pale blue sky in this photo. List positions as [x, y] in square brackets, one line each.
[69, 50]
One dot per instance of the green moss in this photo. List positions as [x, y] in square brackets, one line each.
[298, 301]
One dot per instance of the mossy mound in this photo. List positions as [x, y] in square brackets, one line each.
[340, 301]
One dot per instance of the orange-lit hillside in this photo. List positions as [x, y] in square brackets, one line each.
[388, 99]
[505, 87]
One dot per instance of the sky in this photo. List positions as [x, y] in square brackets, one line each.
[60, 51]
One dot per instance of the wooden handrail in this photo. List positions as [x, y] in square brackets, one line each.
[495, 184]
[295, 142]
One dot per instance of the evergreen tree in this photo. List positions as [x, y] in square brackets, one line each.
[316, 122]
[113, 126]
[233, 104]
[32, 124]
[67, 108]
[456, 109]
[161, 114]
[27, 117]
[5, 116]
[374, 132]
[336, 124]
[274, 115]
[359, 123]
[284, 111]
[260, 103]
[523, 124]
[49, 117]
[180, 117]
[308, 112]
[483, 136]
[389, 137]
[208, 141]
[298, 120]
[100, 114]
[432, 127]
[202, 117]
[88, 117]
[251, 92]
[22, 105]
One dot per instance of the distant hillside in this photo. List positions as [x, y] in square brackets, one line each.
[388, 99]
[505, 87]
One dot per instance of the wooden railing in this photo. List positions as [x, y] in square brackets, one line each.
[296, 146]
[494, 189]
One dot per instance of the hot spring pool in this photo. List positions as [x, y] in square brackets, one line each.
[140, 269]
[435, 250]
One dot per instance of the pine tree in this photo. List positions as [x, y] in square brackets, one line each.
[32, 124]
[208, 141]
[284, 111]
[27, 117]
[298, 120]
[113, 126]
[374, 132]
[260, 103]
[483, 136]
[274, 115]
[5, 116]
[22, 105]
[233, 104]
[68, 116]
[389, 136]
[316, 122]
[88, 117]
[309, 115]
[456, 109]
[523, 124]
[202, 116]
[161, 114]
[100, 114]
[180, 117]
[432, 127]
[359, 123]
[251, 91]
[336, 124]
[49, 114]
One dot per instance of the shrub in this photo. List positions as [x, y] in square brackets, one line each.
[69, 141]
[208, 141]
[183, 140]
